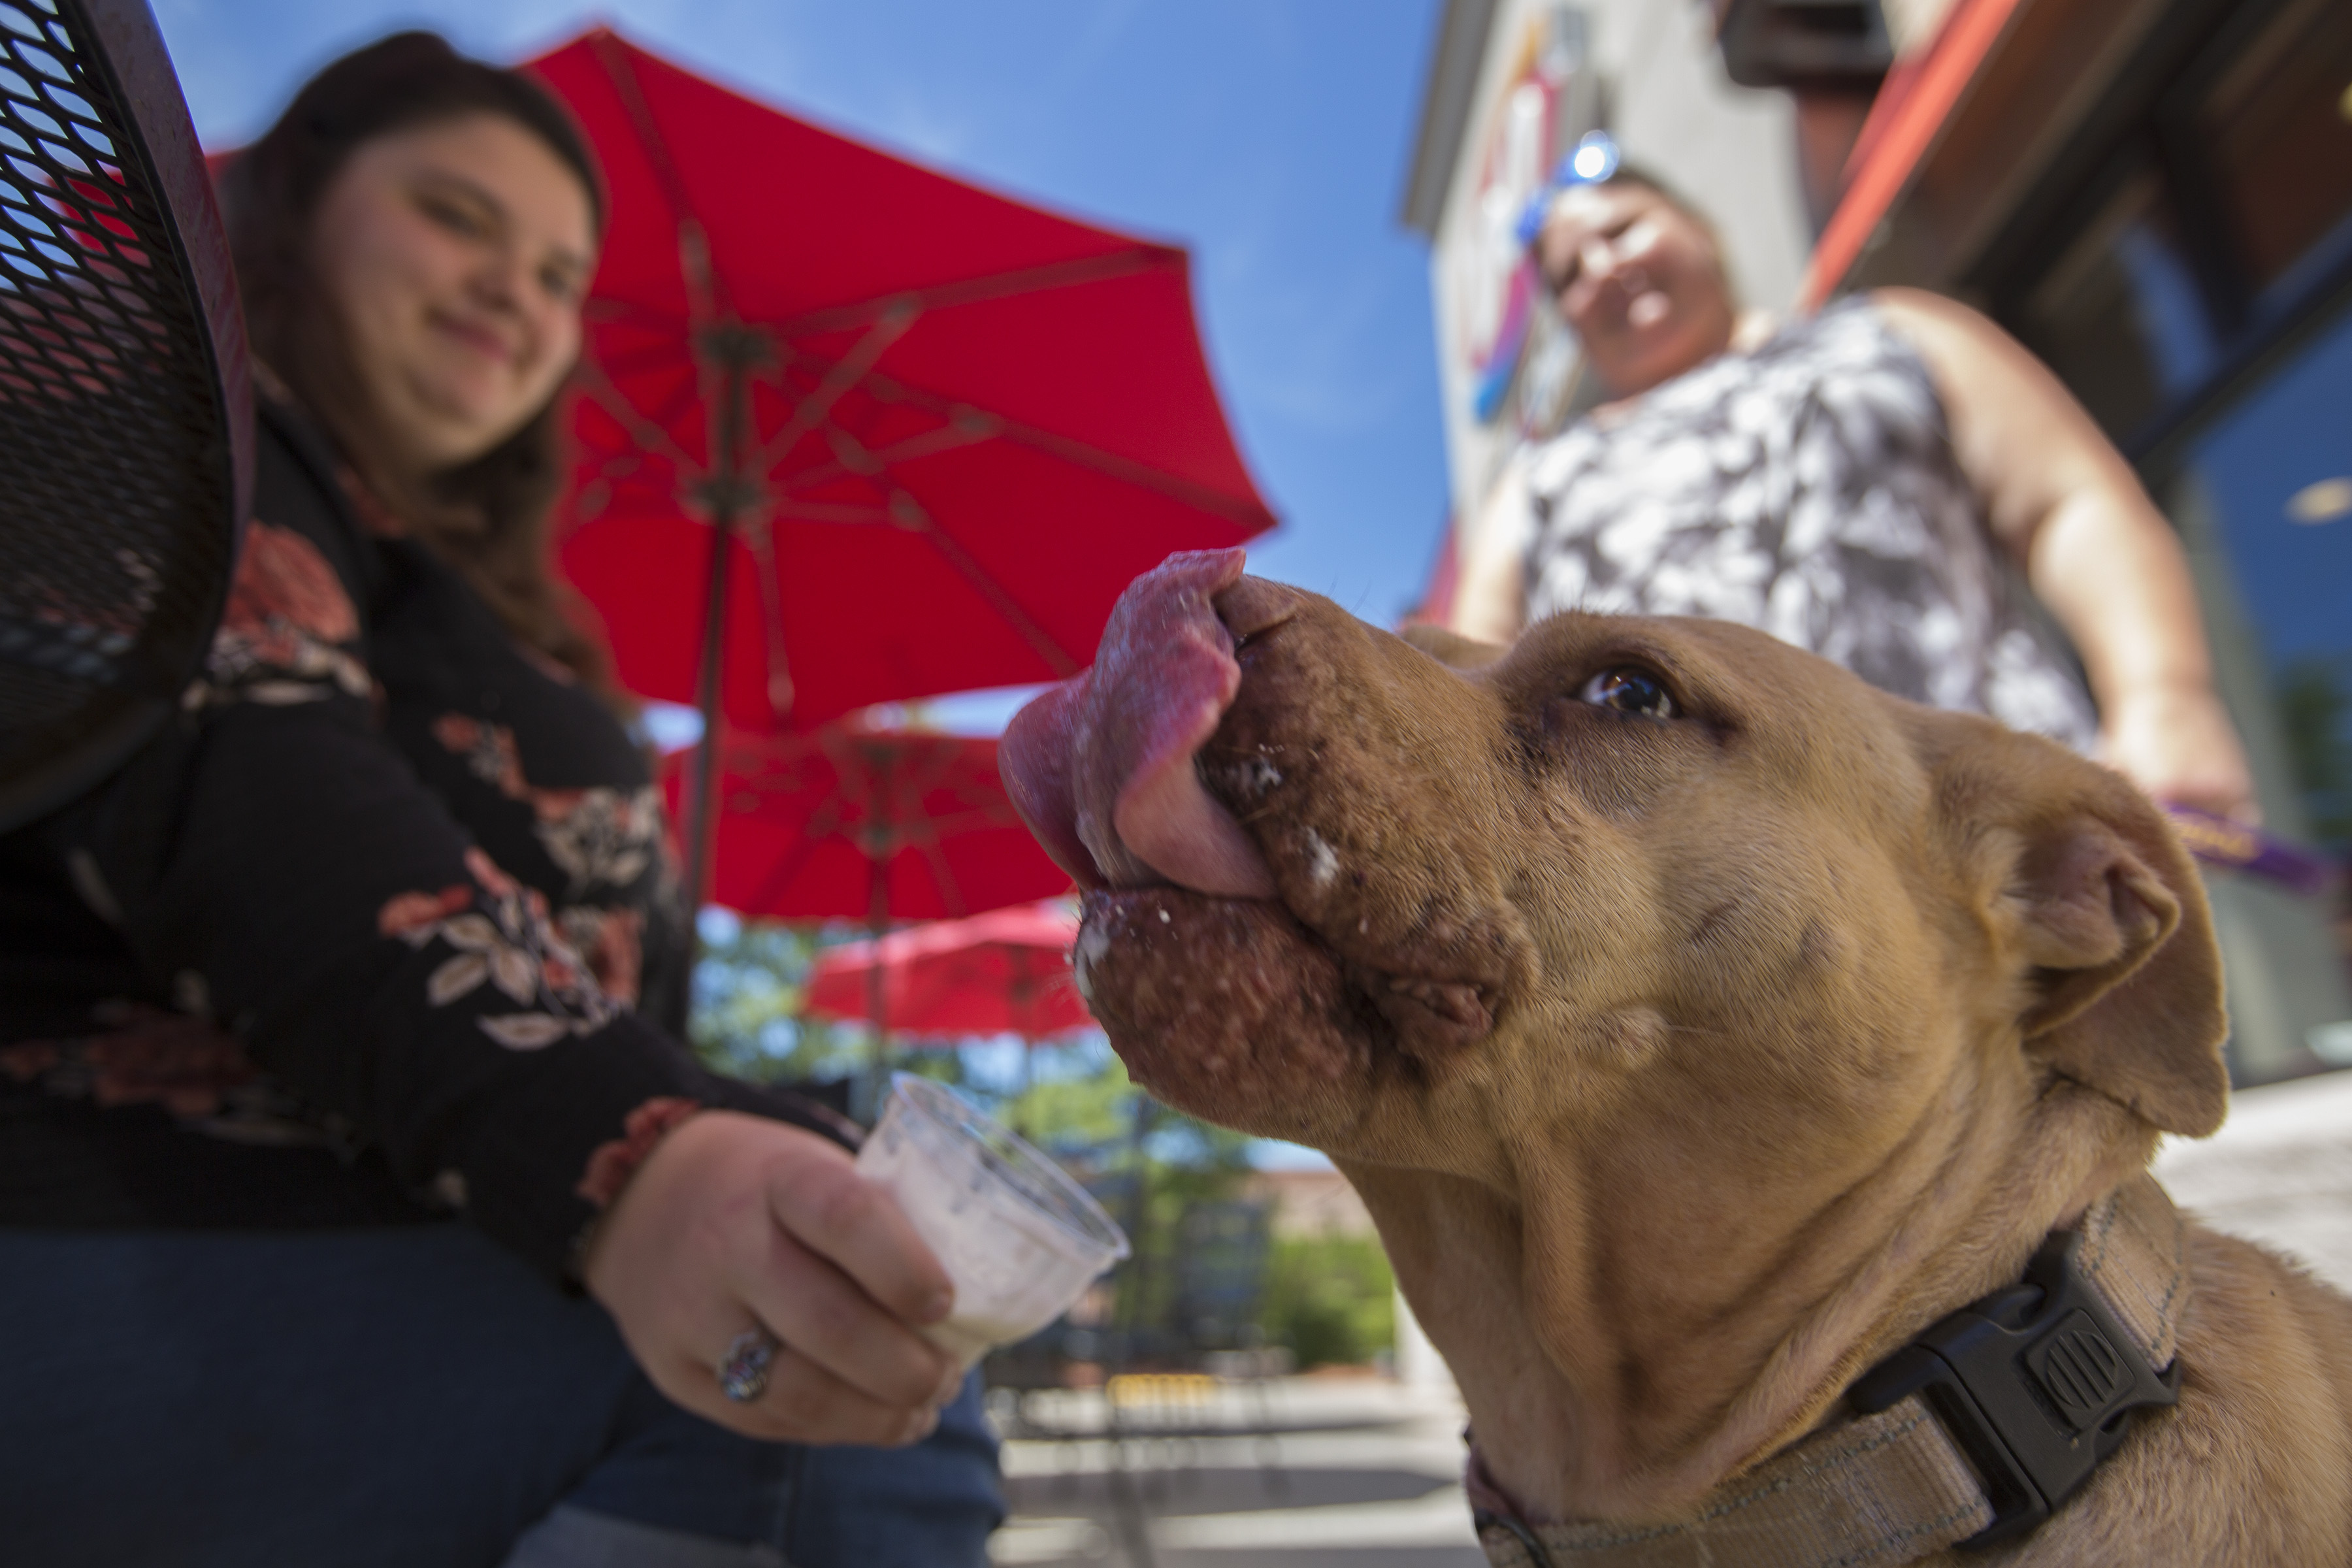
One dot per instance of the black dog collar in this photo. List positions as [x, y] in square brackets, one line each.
[1972, 1434]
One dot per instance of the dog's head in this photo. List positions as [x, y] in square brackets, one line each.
[1695, 1020]
[1412, 901]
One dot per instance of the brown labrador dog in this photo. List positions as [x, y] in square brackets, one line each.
[1700, 1025]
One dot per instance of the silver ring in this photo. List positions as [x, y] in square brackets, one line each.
[743, 1370]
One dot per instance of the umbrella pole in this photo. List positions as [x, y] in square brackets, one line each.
[703, 804]
[877, 919]
[1018, 992]
[724, 492]
[1021, 1098]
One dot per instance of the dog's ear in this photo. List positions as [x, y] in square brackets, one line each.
[2123, 976]
[1450, 649]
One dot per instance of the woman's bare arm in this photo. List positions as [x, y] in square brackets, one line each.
[2064, 503]
[1490, 550]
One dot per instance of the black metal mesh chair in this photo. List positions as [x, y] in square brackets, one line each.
[125, 438]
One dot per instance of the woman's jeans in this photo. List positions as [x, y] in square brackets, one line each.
[406, 1397]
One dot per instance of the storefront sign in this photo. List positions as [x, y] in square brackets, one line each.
[1499, 321]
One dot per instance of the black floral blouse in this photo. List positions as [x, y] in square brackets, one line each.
[368, 935]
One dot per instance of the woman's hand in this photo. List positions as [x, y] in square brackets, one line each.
[2072, 513]
[2178, 744]
[734, 1222]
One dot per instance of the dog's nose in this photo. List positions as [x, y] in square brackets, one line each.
[1254, 605]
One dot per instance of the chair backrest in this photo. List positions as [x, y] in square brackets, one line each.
[125, 417]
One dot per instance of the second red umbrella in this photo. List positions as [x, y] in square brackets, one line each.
[873, 825]
[1004, 973]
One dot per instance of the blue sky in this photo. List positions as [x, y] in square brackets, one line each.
[1271, 137]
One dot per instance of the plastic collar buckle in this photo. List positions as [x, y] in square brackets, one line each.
[2037, 1383]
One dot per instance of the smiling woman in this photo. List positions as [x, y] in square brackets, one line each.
[1875, 484]
[323, 1017]
[412, 242]
[1640, 277]
[454, 255]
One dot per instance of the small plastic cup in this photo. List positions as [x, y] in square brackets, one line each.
[1019, 1238]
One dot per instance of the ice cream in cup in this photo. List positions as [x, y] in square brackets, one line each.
[1019, 1238]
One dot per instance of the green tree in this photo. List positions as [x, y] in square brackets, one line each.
[1082, 1113]
[746, 1021]
[1331, 1298]
[1096, 1123]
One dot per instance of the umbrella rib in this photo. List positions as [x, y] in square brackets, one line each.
[805, 846]
[939, 830]
[648, 436]
[908, 513]
[684, 398]
[975, 818]
[943, 877]
[846, 372]
[629, 359]
[694, 251]
[774, 753]
[842, 512]
[861, 461]
[978, 290]
[1072, 450]
[606, 311]
[849, 454]
[780, 875]
[946, 439]
[762, 541]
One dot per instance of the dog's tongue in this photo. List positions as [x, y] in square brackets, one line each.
[1101, 766]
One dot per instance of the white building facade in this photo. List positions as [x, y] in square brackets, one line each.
[1513, 85]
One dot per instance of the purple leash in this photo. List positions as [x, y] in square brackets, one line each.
[2218, 841]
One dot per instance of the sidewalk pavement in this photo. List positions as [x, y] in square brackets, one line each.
[2279, 1172]
[1357, 1470]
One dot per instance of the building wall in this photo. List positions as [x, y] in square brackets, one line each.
[1651, 75]
[1310, 1203]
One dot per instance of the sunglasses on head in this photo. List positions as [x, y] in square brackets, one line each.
[1591, 162]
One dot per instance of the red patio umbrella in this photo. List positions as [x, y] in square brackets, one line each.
[1004, 973]
[877, 826]
[942, 430]
[866, 825]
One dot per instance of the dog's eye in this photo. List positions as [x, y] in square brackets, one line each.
[1629, 688]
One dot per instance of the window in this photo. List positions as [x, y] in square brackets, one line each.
[2189, 277]
[2218, 223]
[2120, 315]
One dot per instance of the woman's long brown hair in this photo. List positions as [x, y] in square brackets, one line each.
[487, 518]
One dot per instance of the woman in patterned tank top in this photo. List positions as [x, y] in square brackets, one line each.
[1892, 484]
